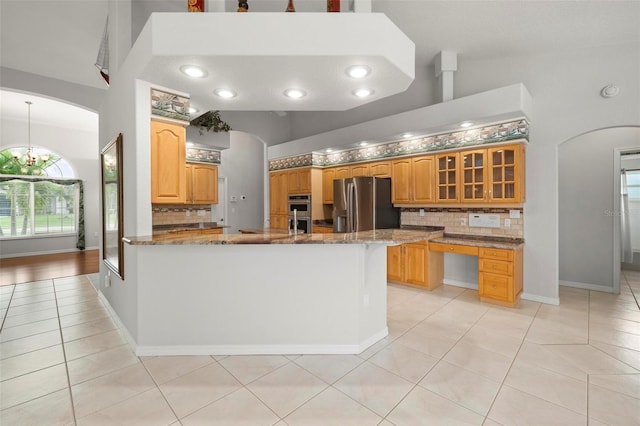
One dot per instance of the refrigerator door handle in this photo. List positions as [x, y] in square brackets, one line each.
[355, 209]
[349, 208]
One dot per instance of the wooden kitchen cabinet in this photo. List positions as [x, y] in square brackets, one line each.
[412, 180]
[360, 170]
[500, 275]
[299, 181]
[381, 169]
[328, 176]
[168, 172]
[412, 263]
[321, 230]
[202, 184]
[278, 200]
[447, 178]
[494, 175]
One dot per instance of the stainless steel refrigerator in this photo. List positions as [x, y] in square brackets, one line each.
[362, 204]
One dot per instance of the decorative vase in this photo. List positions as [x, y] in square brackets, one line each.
[333, 5]
[290, 7]
[195, 5]
[243, 6]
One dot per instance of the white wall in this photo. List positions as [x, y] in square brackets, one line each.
[244, 167]
[80, 149]
[587, 205]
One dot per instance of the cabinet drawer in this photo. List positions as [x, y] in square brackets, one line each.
[454, 248]
[212, 231]
[497, 254]
[494, 286]
[496, 266]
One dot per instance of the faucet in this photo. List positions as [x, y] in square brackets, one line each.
[295, 222]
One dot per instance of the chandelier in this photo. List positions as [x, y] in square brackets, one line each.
[29, 159]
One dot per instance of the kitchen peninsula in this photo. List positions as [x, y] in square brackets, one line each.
[268, 293]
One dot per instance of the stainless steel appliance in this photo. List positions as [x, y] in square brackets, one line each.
[299, 213]
[362, 204]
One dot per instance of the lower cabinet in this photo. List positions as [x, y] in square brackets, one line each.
[500, 275]
[412, 263]
[279, 221]
[321, 230]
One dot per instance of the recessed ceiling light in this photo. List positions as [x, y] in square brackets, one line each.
[189, 143]
[193, 71]
[363, 143]
[406, 135]
[363, 93]
[466, 124]
[192, 110]
[328, 150]
[295, 93]
[358, 71]
[225, 93]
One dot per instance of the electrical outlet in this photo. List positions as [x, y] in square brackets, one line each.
[507, 223]
[421, 213]
[463, 222]
[201, 212]
[187, 212]
[233, 199]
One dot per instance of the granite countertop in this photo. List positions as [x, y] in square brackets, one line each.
[175, 227]
[380, 236]
[507, 243]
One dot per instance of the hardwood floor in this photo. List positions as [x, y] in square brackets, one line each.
[36, 268]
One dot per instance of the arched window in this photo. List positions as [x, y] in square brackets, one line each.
[47, 163]
[39, 195]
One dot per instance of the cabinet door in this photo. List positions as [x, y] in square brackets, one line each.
[422, 179]
[279, 221]
[360, 170]
[415, 260]
[506, 174]
[278, 193]
[204, 182]
[380, 169]
[401, 181]
[474, 176]
[293, 182]
[304, 181]
[343, 172]
[395, 270]
[447, 178]
[168, 171]
[328, 175]
[497, 287]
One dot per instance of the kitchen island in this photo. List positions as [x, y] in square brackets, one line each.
[268, 293]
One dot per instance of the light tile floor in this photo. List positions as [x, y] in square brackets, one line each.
[448, 360]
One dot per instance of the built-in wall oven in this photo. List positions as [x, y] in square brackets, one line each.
[299, 211]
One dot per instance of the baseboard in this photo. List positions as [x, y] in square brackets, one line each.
[39, 253]
[125, 332]
[587, 286]
[542, 299]
[463, 284]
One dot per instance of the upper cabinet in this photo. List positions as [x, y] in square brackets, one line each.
[494, 175]
[299, 181]
[168, 172]
[202, 184]
[447, 178]
[381, 169]
[413, 180]
[329, 174]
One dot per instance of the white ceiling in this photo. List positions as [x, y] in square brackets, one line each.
[60, 39]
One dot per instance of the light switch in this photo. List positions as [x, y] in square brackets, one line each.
[507, 223]
[421, 212]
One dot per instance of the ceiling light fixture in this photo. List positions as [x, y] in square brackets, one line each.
[363, 93]
[295, 93]
[363, 143]
[29, 159]
[358, 71]
[193, 71]
[328, 150]
[466, 124]
[406, 135]
[225, 93]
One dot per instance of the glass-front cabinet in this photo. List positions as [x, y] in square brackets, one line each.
[474, 178]
[447, 178]
[506, 170]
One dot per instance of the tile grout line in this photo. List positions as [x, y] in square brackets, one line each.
[6, 312]
[64, 354]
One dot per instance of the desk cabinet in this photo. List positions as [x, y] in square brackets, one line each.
[412, 263]
[500, 275]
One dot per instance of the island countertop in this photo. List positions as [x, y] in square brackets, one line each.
[379, 236]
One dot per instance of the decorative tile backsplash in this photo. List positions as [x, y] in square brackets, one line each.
[495, 133]
[451, 219]
[178, 215]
